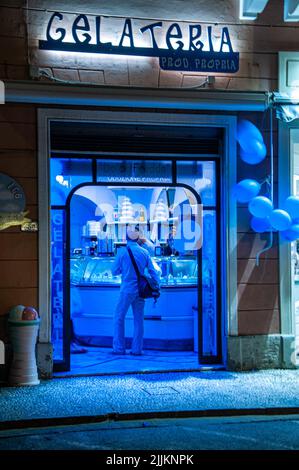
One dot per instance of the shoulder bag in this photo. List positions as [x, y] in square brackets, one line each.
[147, 287]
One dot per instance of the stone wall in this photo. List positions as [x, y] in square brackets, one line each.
[23, 23]
[18, 250]
[258, 286]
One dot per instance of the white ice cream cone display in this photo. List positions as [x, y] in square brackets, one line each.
[161, 213]
[126, 210]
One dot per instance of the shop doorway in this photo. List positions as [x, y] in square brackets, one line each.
[169, 221]
[180, 233]
[87, 154]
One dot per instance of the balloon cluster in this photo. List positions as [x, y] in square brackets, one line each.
[265, 217]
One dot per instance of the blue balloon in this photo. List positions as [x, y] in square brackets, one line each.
[260, 225]
[254, 152]
[291, 234]
[260, 206]
[246, 189]
[246, 130]
[280, 220]
[291, 205]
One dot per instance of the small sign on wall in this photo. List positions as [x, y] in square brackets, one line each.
[12, 203]
[29, 227]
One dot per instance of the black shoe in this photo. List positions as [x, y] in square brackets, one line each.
[136, 354]
[118, 353]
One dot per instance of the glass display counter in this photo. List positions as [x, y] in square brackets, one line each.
[93, 271]
[169, 323]
[97, 271]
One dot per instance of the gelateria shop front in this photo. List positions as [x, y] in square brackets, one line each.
[126, 113]
[104, 178]
[160, 159]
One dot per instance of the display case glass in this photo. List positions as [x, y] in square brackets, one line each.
[95, 271]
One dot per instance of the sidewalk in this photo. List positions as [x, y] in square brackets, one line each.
[87, 399]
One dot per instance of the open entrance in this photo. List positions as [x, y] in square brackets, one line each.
[169, 222]
[174, 198]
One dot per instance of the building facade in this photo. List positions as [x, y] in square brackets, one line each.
[169, 105]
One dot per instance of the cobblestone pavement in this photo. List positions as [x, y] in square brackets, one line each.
[151, 393]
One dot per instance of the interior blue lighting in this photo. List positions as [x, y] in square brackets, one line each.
[95, 235]
[66, 174]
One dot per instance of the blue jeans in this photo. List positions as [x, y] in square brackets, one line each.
[125, 301]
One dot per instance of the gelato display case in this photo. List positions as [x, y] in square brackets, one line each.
[95, 271]
[169, 323]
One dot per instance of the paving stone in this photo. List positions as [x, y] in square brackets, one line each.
[92, 396]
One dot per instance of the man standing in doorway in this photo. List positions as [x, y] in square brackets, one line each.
[129, 295]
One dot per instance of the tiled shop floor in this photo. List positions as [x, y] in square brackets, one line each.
[102, 361]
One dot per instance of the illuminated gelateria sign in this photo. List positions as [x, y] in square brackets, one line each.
[178, 48]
